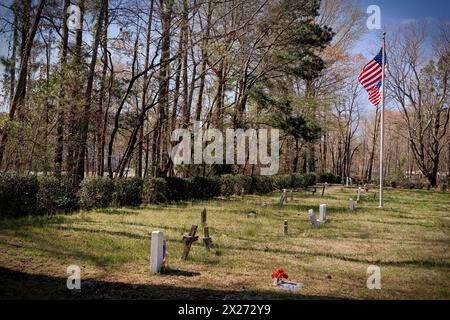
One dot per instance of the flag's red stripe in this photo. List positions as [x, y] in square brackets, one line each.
[370, 76]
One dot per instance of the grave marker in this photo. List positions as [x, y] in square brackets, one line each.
[358, 195]
[157, 251]
[324, 187]
[204, 217]
[313, 219]
[351, 205]
[188, 240]
[285, 227]
[207, 241]
[323, 213]
[283, 197]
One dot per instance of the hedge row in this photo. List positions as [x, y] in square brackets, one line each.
[24, 195]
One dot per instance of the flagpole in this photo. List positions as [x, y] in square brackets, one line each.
[381, 206]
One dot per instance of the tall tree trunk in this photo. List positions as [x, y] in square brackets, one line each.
[100, 117]
[84, 124]
[12, 66]
[144, 92]
[160, 137]
[20, 91]
[59, 150]
[184, 30]
[77, 62]
[205, 41]
[374, 143]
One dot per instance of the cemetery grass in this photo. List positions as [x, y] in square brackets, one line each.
[409, 241]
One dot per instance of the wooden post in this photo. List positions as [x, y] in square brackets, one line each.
[188, 240]
[285, 227]
[323, 189]
[204, 217]
[207, 241]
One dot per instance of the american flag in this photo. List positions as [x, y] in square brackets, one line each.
[370, 78]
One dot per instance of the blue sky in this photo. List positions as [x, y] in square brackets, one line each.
[396, 12]
[393, 14]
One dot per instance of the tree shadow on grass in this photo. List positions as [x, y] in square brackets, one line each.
[21, 285]
[122, 211]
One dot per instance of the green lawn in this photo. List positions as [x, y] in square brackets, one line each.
[409, 241]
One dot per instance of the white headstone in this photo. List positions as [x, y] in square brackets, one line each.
[347, 182]
[283, 197]
[351, 205]
[157, 251]
[323, 212]
[358, 196]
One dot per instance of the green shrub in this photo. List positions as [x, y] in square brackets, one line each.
[262, 184]
[395, 178]
[297, 180]
[56, 196]
[154, 191]
[328, 178]
[18, 195]
[281, 182]
[414, 185]
[177, 189]
[48, 192]
[96, 192]
[337, 179]
[69, 199]
[204, 187]
[309, 179]
[234, 184]
[127, 192]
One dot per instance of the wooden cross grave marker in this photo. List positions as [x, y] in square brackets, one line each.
[188, 240]
[203, 217]
[207, 241]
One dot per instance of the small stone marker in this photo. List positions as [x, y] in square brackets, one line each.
[204, 217]
[292, 195]
[207, 241]
[188, 240]
[347, 182]
[351, 205]
[285, 227]
[290, 286]
[157, 251]
[313, 219]
[323, 213]
[358, 194]
[283, 197]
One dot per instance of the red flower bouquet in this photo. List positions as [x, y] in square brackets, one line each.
[279, 276]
